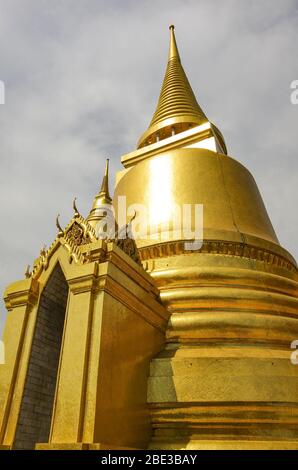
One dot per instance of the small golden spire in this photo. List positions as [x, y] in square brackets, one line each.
[102, 200]
[177, 109]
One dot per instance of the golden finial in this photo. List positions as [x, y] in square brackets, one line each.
[104, 190]
[126, 229]
[102, 199]
[133, 217]
[173, 51]
[76, 212]
[27, 272]
[177, 109]
[43, 250]
[60, 230]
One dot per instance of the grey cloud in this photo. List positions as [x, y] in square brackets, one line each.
[82, 80]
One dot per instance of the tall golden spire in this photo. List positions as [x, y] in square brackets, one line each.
[177, 109]
[102, 200]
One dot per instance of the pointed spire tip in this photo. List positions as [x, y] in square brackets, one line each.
[107, 166]
[173, 51]
[104, 190]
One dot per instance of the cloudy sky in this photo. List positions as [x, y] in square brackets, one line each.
[82, 80]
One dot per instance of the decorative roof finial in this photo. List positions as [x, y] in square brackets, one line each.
[27, 272]
[60, 229]
[76, 212]
[43, 250]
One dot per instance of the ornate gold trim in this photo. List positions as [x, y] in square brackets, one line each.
[163, 250]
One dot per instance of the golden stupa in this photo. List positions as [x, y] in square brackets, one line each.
[149, 342]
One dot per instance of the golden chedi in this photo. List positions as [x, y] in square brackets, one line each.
[224, 379]
[167, 339]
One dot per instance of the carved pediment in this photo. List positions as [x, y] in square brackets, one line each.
[126, 242]
[76, 234]
[128, 245]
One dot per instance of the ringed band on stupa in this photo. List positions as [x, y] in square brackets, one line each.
[139, 343]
